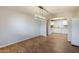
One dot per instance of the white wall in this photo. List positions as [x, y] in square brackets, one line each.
[69, 30]
[16, 26]
[43, 27]
[75, 32]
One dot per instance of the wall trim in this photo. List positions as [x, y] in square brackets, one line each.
[2, 46]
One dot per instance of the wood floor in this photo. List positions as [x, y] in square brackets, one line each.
[55, 43]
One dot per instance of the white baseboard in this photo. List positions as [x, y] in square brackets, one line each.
[16, 42]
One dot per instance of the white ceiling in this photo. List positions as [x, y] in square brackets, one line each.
[53, 10]
[60, 9]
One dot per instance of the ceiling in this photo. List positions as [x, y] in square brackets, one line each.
[60, 9]
[52, 10]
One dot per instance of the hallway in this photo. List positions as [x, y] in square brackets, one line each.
[55, 43]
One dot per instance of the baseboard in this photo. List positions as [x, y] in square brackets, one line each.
[2, 46]
[75, 45]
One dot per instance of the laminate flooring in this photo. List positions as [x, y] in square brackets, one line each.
[54, 43]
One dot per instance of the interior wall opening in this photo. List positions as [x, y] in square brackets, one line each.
[58, 27]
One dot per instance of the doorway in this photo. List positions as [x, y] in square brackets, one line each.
[57, 28]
